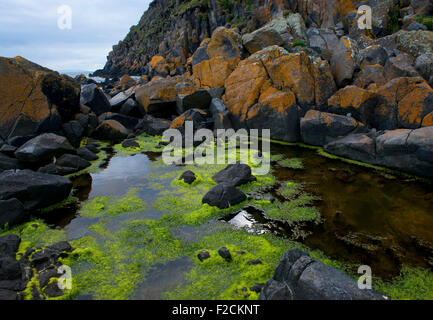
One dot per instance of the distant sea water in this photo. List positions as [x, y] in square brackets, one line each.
[73, 74]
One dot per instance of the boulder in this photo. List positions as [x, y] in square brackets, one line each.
[158, 67]
[360, 103]
[235, 175]
[118, 100]
[343, 62]
[371, 76]
[320, 128]
[126, 121]
[132, 108]
[9, 245]
[324, 84]
[34, 98]
[8, 150]
[72, 161]
[224, 196]
[35, 190]
[126, 82]
[111, 130]
[86, 154]
[8, 163]
[93, 97]
[403, 103]
[262, 38]
[74, 132]
[12, 213]
[10, 269]
[217, 57]
[359, 147]
[158, 97]
[44, 148]
[199, 99]
[325, 39]
[152, 126]
[372, 55]
[56, 170]
[399, 66]
[300, 277]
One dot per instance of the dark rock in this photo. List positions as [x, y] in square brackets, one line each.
[45, 276]
[198, 117]
[217, 106]
[358, 147]
[74, 131]
[235, 175]
[8, 295]
[43, 148]
[72, 161]
[9, 245]
[254, 262]
[94, 98]
[188, 177]
[204, 255]
[111, 130]
[12, 213]
[224, 196]
[222, 121]
[56, 170]
[10, 269]
[320, 128]
[424, 65]
[118, 100]
[258, 287]
[343, 62]
[128, 122]
[35, 190]
[199, 99]
[372, 55]
[133, 109]
[399, 66]
[8, 150]
[130, 143]
[8, 163]
[225, 254]
[152, 126]
[216, 92]
[86, 154]
[300, 277]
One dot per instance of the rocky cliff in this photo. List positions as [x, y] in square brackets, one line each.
[175, 28]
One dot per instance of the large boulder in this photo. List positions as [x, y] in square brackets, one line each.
[34, 99]
[44, 148]
[224, 196]
[152, 126]
[12, 213]
[158, 97]
[35, 190]
[320, 128]
[111, 130]
[93, 97]
[266, 36]
[235, 175]
[217, 57]
[403, 103]
[300, 277]
[343, 62]
[360, 103]
[199, 99]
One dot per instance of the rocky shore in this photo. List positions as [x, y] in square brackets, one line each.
[302, 69]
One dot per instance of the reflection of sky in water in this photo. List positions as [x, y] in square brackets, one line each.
[122, 174]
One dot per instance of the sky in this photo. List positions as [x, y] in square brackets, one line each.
[37, 31]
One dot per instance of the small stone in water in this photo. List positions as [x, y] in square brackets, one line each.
[202, 256]
[225, 254]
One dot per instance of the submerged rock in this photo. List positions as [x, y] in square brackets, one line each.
[300, 277]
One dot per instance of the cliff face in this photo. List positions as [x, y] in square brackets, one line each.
[175, 28]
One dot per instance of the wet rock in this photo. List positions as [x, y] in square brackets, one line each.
[93, 97]
[12, 213]
[224, 196]
[111, 130]
[126, 121]
[235, 175]
[56, 170]
[199, 99]
[130, 143]
[35, 190]
[204, 255]
[86, 154]
[73, 161]
[8, 150]
[9, 245]
[43, 148]
[152, 126]
[225, 254]
[8, 163]
[300, 277]
[360, 147]
[188, 177]
[320, 128]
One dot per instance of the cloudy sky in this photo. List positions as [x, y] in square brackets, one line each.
[29, 28]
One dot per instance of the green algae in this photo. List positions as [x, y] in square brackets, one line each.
[412, 284]
[293, 163]
[146, 144]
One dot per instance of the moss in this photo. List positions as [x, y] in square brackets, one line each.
[293, 163]
[147, 144]
[112, 206]
[427, 21]
[412, 284]
[68, 201]
[299, 44]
